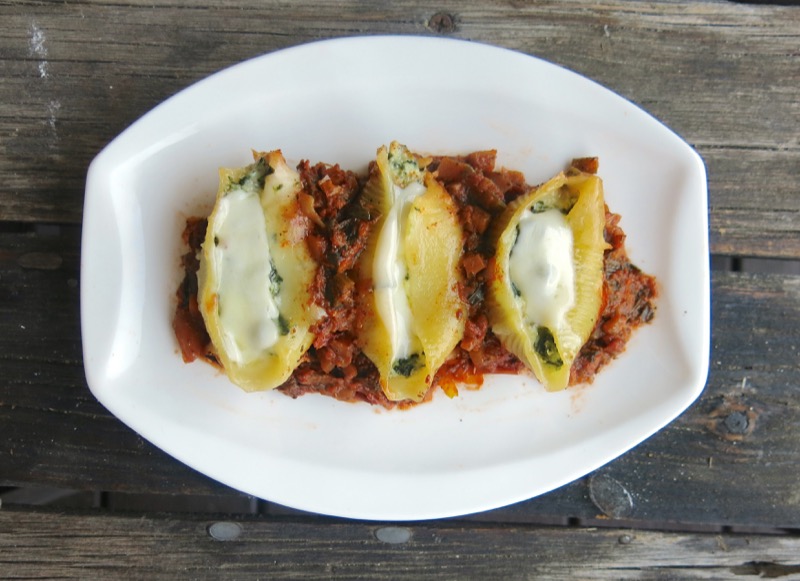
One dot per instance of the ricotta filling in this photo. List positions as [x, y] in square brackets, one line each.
[389, 274]
[247, 293]
[542, 269]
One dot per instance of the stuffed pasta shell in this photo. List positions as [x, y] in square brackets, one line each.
[546, 278]
[255, 274]
[413, 316]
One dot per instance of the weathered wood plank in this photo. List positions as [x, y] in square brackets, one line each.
[94, 545]
[54, 431]
[763, 196]
[730, 460]
[723, 75]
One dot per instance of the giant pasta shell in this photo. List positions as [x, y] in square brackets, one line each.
[414, 316]
[550, 350]
[255, 274]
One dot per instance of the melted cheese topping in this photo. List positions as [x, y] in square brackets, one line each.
[389, 274]
[542, 269]
[248, 308]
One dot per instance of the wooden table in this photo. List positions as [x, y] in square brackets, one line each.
[714, 494]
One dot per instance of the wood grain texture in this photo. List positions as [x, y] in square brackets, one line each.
[50, 419]
[730, 460]
[723, 75]
[34, 544]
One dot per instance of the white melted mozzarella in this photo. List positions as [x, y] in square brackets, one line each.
[389, 273]
[542, 269]
[248, 311]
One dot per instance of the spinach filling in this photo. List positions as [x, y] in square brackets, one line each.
[254, 177]
[545, 347]
[283, 325]
[538, 208]
[275, 280]
[407, 365]
[404, 167]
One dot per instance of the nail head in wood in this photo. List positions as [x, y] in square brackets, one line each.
[393, 535]
[225, 531]
[737, 423]
[610, 496]
[442, 22]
